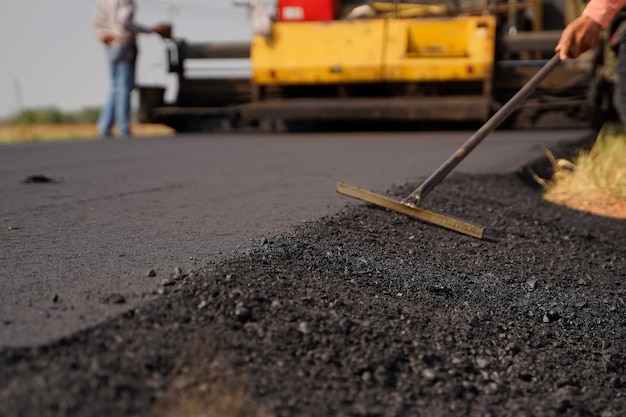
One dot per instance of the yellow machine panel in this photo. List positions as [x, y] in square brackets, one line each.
[375, 50]
[404, 61]
[441, 49]
[319, 53]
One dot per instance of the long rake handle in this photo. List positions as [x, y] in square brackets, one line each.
[505, 111]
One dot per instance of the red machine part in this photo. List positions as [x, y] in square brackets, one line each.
[307, 10]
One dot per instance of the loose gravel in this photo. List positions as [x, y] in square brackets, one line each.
[366, 313]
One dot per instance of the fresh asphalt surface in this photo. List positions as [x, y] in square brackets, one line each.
[78, 249]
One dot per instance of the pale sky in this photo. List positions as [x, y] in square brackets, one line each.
[49, 57]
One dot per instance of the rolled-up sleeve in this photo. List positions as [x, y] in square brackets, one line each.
[602, 11]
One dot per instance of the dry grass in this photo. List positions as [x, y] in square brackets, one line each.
[53, 132]
[596, 180]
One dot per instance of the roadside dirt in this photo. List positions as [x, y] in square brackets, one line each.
[366, 313]
[47, 132]
[602, 205]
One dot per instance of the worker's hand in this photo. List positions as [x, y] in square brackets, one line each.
[579, 36]
[163, 29]
[107, 39]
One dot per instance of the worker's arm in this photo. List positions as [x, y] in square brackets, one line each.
[583, 32]
[126, 16]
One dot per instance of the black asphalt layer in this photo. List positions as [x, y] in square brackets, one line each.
[358, 311]
[84, 223]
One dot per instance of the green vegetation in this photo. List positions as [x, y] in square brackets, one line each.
[52, 115]
[51, 124]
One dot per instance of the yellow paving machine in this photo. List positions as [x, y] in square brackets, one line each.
[396, 61]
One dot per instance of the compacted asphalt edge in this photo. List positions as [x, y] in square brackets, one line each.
[366, 312]
[91, 230]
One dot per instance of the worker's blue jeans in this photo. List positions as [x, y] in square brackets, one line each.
[116, 109]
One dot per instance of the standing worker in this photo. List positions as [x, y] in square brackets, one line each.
[114, 26]
[583, 33]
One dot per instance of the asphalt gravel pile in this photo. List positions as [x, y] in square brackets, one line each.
[366, 313]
